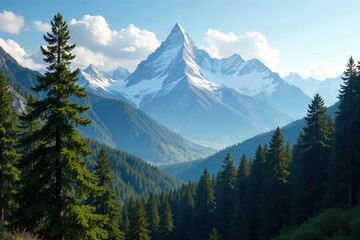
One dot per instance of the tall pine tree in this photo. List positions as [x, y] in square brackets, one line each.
[59, 183]
[153, 216]
[242, 179]
[9, 173]
[205, 205]
[344, 182]
[107, 204]
[166, 221]
[138, 224]
[225, 195]
[313, 162]
[275, 204]
[253, 196]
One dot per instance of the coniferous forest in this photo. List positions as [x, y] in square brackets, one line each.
[47, 191]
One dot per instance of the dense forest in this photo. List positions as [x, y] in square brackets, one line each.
[282, 187]
[51, 187]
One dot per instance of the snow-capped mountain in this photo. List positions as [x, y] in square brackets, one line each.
[328, 88]
[119, 73]
[101, 83]
[202, 98]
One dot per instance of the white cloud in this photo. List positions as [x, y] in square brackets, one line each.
[11, 23]
[42, 27]
[19, 54]
[248, 45]
[93, 29]
[93, 36]
[323, 70]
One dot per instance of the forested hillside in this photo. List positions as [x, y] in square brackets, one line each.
[280, 187]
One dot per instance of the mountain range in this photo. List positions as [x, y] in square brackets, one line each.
[328, 88]
[204, 99]
[114, 123]
[189, 171]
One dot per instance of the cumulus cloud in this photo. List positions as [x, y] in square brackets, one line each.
[248, 45]
[323, 70]
[95, 38]
[19, 54]
[42, 27]
[11, 23]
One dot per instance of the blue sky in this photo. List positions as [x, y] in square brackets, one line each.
[313, 38]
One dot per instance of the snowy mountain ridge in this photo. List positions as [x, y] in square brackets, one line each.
[183, 88]
[328, 88]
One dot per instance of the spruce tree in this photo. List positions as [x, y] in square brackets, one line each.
[166, 221]
[225, 194]
[138, 225]
[205, 205]
[153, 216]
[344, 182]
[186, 208]
[254, 192]
[242, 178]
[107, 204]
[9, 173]
[59, 183]
[314, 158]
[294, 179]
[276, 193]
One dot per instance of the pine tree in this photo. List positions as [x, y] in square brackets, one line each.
[186, 208]
[294, 178]
[254, 192]
[9, 173]
[344, 182]
[238, 229]
[313, 162]
[138, 225]
[59, 183]
[276, 193]
[205, 206]
[225, 194]
[153, 216]
[107, 204]
[214, 235]
[166, 221]
[28, 127]
[242, 178]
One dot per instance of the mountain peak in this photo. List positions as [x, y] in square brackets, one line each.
[91, 69]
[178, 29]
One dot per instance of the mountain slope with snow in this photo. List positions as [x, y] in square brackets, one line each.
[202, 98]
[328, 88]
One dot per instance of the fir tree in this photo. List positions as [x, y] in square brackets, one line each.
[107, 204]
[153, 216]
[242, 178]
[59, 183]
[294, 178]
[343, 182]
[254, 192]
[276, 192]
[205, 206]
[28, 127]
[313, 161]
[225, 194]
[9, 173]
[138, 225]
[166, 221]
[186, 208]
